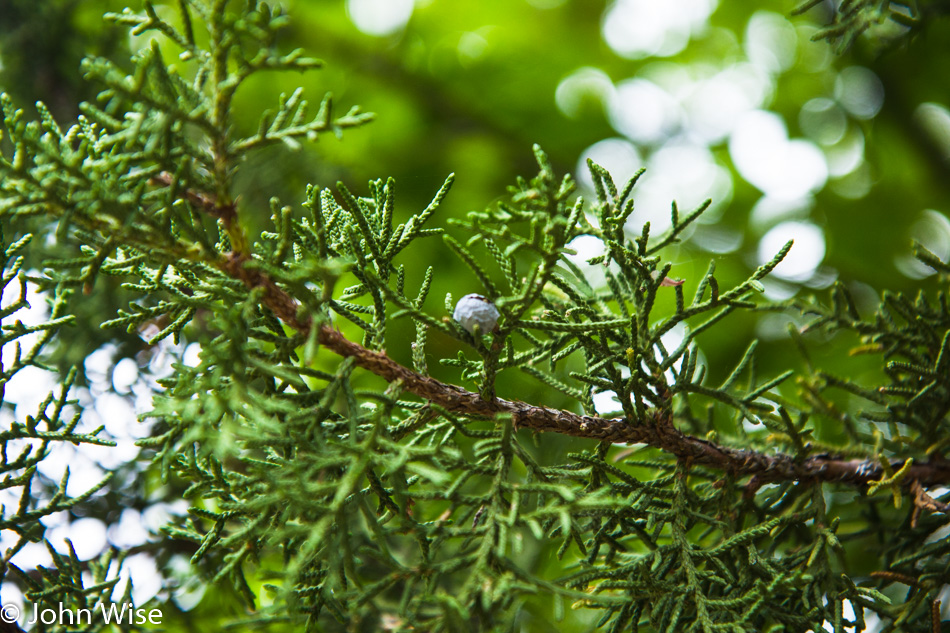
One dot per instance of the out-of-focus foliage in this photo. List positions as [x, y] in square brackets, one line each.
[886, 20]
[848, 154]
[469, 88]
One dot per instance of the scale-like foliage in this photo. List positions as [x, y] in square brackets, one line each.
[333, 500]
[887, 20]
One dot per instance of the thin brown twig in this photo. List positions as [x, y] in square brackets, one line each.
[656, 432]
[893, 576]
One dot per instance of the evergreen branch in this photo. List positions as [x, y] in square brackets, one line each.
[281, 130]
[656, 431]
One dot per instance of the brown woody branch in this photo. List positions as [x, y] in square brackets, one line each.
[656, 432]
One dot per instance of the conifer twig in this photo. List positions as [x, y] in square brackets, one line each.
[224, 212]
[657, 432]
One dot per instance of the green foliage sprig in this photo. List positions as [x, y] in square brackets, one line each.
[852, 18]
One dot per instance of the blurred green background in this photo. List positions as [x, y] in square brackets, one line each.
[848, 154]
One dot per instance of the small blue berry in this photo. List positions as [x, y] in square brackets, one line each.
[472, 310]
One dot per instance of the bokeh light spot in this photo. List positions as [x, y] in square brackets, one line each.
[686, 173]
[716, 103]
[770, 42]
[124, 375]
[471, 47]
[860, 92]
[644, 112]
[935, 120]
[768, 211]
[379, 17]
[642, 28]
[807, 253]
[87, 535]
[585, 247]
[129, 531]
[847, 154]
[583, 86]
[779, 167]
[717, 239]
[823, 121]
[142, 571]
[606, 403]
[618, 156]
[855, 185]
